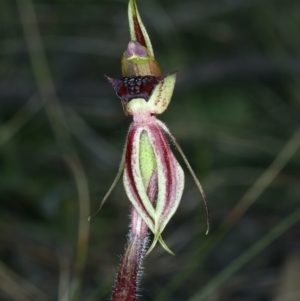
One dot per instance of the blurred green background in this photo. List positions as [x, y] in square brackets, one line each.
[235, 113]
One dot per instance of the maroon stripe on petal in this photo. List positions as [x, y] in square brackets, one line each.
[169, 168]
[176, 187]
[162, 150]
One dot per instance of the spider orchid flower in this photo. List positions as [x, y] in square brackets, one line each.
[153, 179]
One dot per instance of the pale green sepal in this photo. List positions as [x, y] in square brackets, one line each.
[133, 14]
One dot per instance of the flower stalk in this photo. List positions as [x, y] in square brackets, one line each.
[129, 273]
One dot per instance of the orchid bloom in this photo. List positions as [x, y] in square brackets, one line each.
[153, 179]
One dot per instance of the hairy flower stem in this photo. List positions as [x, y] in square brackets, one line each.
[130, 268]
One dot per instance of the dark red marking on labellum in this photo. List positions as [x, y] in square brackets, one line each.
[128, 88]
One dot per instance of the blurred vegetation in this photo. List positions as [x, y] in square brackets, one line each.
[235, 112]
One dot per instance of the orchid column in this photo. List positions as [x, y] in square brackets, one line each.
[152, 177]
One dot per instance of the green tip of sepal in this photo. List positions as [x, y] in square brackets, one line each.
[165, 246]
[157, 237]
[138, 31]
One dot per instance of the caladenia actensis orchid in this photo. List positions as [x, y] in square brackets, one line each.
[153, 179]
